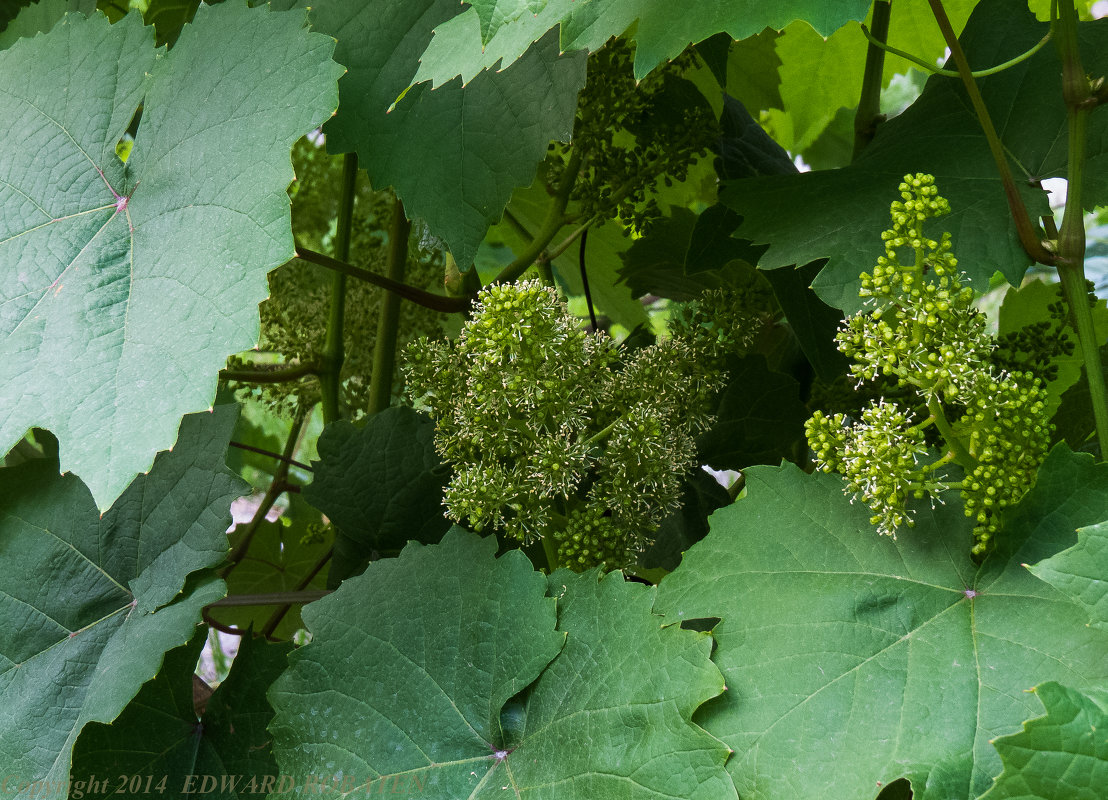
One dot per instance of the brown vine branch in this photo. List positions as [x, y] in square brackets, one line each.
[278, 456]
[279, 614]
[278, 485]
[1029, 239]
[435, 302]
[276, 373]
[212, 622]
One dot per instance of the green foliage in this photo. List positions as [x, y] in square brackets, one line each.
[658, 34]
[1063, 754]
[98, 254]
[1066, 572]
[125, 587]
[486, 137]
[162, 735]
[39, 17]
[580, 653]
[866, 658]
[393, 453]
[626, 236]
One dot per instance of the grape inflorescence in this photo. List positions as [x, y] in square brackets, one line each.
[922, 331]
[556, 433]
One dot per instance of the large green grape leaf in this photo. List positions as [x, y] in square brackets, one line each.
[381, 485]
[455, 154]
[830, 213]
[410, 664]
[159, 733]
[853, 658]
[127, 286]
[1062, 755]
[660, 34]
[416, 668]
[89, 603]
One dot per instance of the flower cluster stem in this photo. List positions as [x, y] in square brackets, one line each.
[954, 445]
[554, 222]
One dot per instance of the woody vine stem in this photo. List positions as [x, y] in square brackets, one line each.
[1067, 254]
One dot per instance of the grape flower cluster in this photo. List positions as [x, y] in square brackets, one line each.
[922, 332]
[557, 434]
[632, 135]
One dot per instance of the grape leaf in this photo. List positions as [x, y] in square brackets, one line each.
[40, 17]
[1062, 755]
[447, 638]
[682, 255]
[455, 154]
[754, 72]
[497, 13]
[1069, 572]
[827, 214]
[853, 658]
[422, 697]
[659, 33]
[809, 105]
[89, 603]
[813, 322]
[9, 9]
[146, 274]
[759, 418]
[159, 734]
[744, 148]
[687, 525]
[381, 485]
